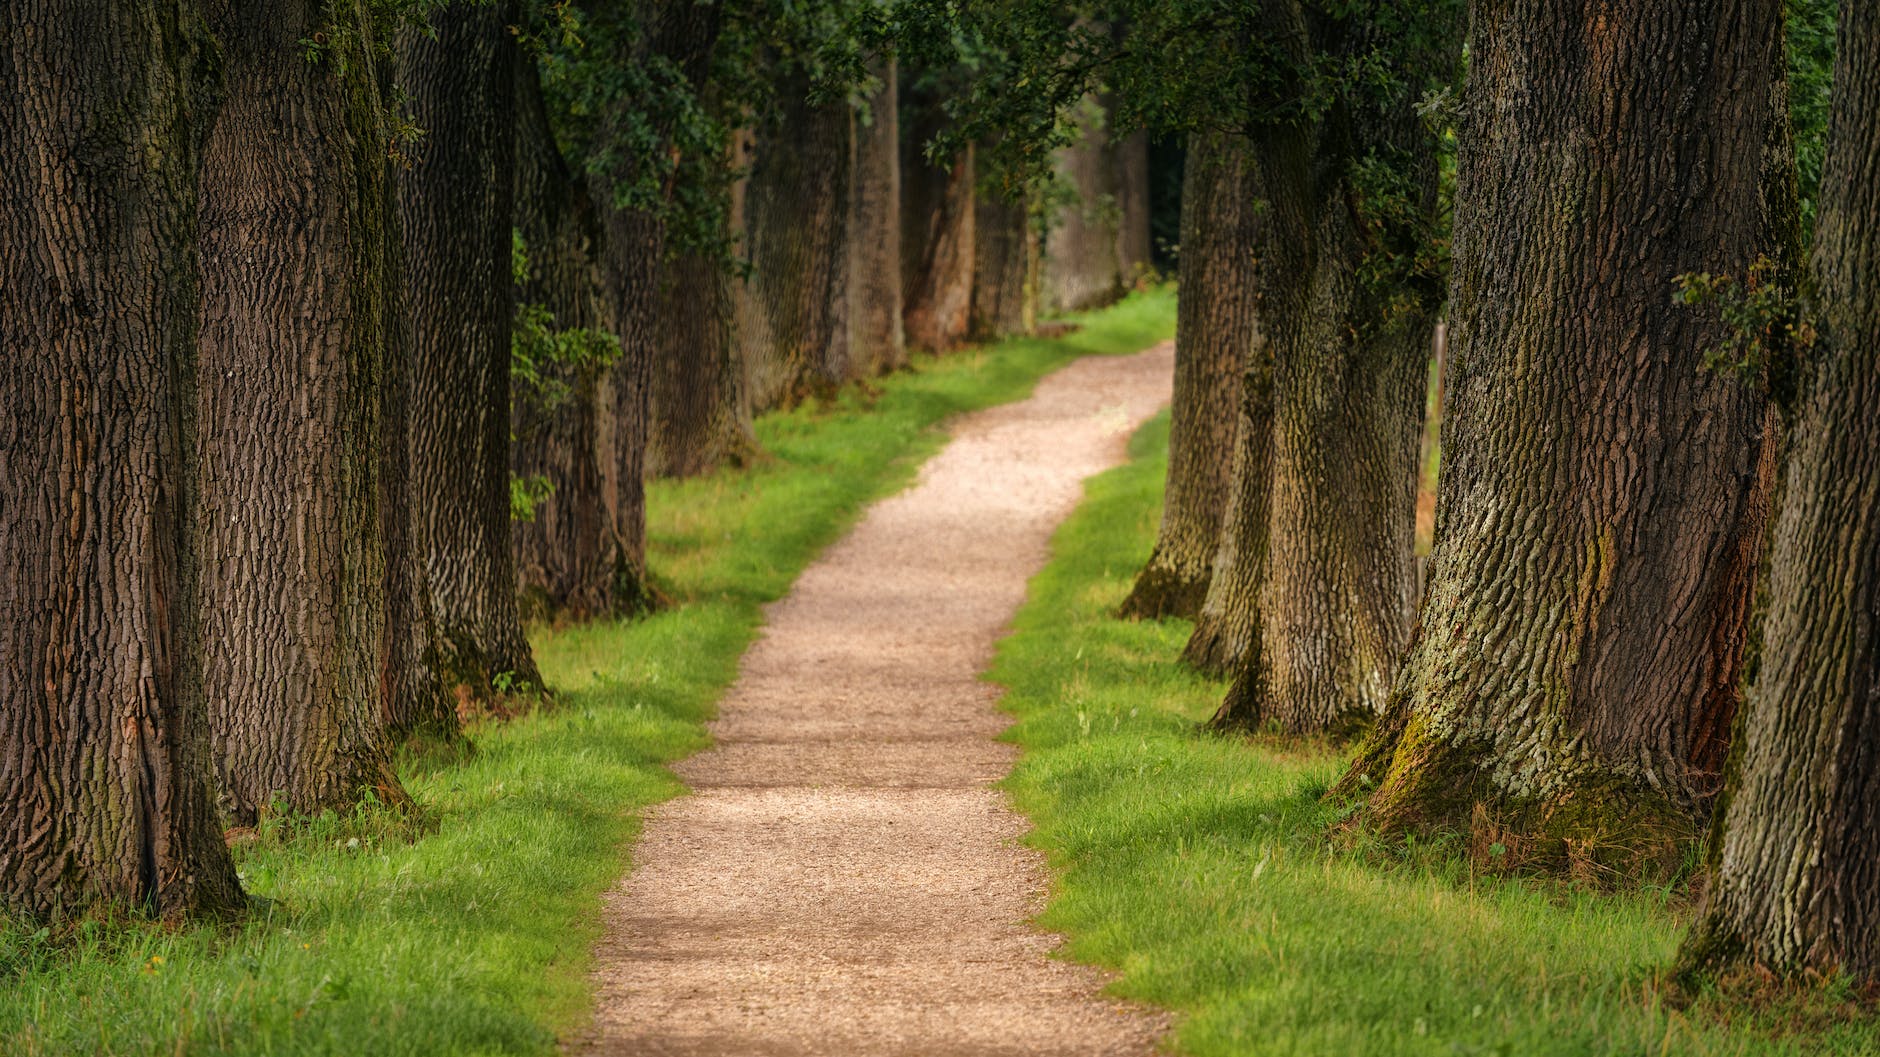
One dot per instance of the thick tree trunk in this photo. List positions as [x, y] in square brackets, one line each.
[938, 234]
[1214, 332]
[1794, 882]
[1081, 267]
[877, 343]
[296, 302]
[1227, 629]
[456, 213]
[1603, 495]
[682, 37]
[1349, 363]
[106, 785]
[567, 559]
[791, 312]
[701, 410]
[1002, 279]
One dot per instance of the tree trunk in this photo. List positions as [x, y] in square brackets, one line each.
[683, 37]
[295, 306]
[566, 556]
[1214, 331]
[701, 411]
[1134, 249]
[1603, 494]
[790, 319]
[1001, 263]
[1227, 629]
[938, 233]
[456, 213]
[1349, 362]
[1081, 267]
[106, 787]
[877, 343]
[1794, 883]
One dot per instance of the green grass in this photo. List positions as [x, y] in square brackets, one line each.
[1196, 865]
[474, 938]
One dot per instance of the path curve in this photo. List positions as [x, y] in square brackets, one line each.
[843, 880]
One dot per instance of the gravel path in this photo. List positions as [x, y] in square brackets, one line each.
[843, 880]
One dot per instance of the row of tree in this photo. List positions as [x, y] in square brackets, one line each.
[341, 336]
[1653, 603]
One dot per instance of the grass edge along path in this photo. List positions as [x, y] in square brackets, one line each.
[1194, 866]
[475, 937]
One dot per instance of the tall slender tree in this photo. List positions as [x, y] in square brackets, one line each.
[1603, 495]
[1793, 866]
[296, 307]
[456, 218]
[106, 787]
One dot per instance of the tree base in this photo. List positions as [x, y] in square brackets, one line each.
[1607, 830]
[1212, 648]
[1161, 592]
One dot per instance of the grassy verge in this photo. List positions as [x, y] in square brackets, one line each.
[1193, 865]
[474, 937]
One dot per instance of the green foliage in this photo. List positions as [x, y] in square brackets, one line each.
[1196, 865]
[1811, 32]
[1765, 321]
[470, 934]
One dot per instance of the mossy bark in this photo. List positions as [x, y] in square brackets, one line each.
[1603, 495]
[1795, 872]
[107, 793]
[1213, 336]
[297, 299]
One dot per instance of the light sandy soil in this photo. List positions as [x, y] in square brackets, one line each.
[844, 881]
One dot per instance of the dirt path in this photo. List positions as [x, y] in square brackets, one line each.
[843, 881]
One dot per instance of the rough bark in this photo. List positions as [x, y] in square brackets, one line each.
[791, 311]
[1081, 268]
[1603, 495]
[1002, 279]
[293, 342]
[456, 212]
[1349, 360]
[1227, 629]
[877, 343]
[106, 786]
[684, 36]
[1213, 334]
[567, 557]
[938, 233]
[701, 410]
[1794, 885]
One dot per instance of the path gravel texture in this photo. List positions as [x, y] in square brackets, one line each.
[844, 881]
